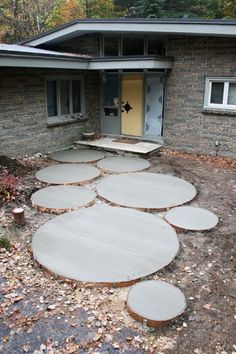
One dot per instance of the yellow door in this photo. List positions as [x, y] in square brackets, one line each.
[132, 105]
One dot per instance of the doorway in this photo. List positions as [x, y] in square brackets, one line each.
[132, 104]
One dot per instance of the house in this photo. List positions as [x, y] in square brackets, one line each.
[172, 81]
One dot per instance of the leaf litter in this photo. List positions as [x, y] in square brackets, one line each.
[43, 313]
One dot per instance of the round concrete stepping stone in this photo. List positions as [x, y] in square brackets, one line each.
[68, 174]
[57, 199]
[146, 190]
[192, 218]
[77, 155]
[155, 302]
[104, 244]
[121, 164]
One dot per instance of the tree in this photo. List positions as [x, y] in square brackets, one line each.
[97, 8]
[25, 18]
[68, 10]
[229, 8]
[151, 8]
[21, 19]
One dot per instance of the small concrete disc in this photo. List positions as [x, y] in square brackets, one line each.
[121, 164]
[105, 244]
[146, 190]
[62, 198]
[77, 155]
[67, 174]
[192, 218]
[155, 302]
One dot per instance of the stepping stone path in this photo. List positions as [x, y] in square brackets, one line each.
[104, 244]
[155, 302]
[191, 218]
[77, 155]
[146, 190]
[59, 199]
[123, 164]
[68, 174]
[115, 245]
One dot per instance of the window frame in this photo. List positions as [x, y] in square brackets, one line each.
[120, 44]
[208, 89]
[65, 117]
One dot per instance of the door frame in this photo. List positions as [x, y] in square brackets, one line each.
[153, 74]
[121, 73]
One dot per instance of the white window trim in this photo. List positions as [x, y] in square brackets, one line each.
[207, 97]
[59, 118]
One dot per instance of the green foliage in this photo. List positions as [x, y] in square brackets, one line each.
[21, 19]
[4, 242]
[181, 8]
[229, 8]
[151, 8]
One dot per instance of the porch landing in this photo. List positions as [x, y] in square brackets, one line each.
[114, 144]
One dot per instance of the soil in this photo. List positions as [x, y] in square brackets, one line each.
[13, 166]
[43, 313]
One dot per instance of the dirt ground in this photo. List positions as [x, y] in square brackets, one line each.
[42, 313]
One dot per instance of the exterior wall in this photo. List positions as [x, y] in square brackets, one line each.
[23, 122]
[187, 126]
[88, 44]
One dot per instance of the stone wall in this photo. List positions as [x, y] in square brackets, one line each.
[23, 122]
[88, 44]
[186, 125]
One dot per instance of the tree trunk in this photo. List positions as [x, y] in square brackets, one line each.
[19, 216]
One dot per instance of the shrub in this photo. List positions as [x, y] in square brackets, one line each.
[8, 186]
[4, 242]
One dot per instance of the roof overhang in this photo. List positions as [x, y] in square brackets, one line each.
[27, 57]
[221, 29]
[39, 62]
[131, 63]
[22, 56]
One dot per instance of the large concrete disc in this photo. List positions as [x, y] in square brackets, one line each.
[123, 164]
[77, 155]
[67, 174]
[146, 190]
[192, 218]
[105, 244]
[155, 302]
[62, 198]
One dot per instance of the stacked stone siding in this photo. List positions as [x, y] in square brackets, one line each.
[186, 125]
[88, 44]
[23, 118]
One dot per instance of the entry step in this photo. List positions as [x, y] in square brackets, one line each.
[126, 145]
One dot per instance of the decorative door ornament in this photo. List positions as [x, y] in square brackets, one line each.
[127, 107]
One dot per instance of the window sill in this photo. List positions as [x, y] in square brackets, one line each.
[219, 111]
[58, 121]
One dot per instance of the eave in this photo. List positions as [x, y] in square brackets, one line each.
[115, 63]
[77, 28]
[131, 63]
[39, 62]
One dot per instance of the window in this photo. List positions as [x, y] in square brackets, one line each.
[64, 99]
[122, 45]
[111, 46]
[51, 98]
[133, 45]
[156, 46]
[220, 93]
